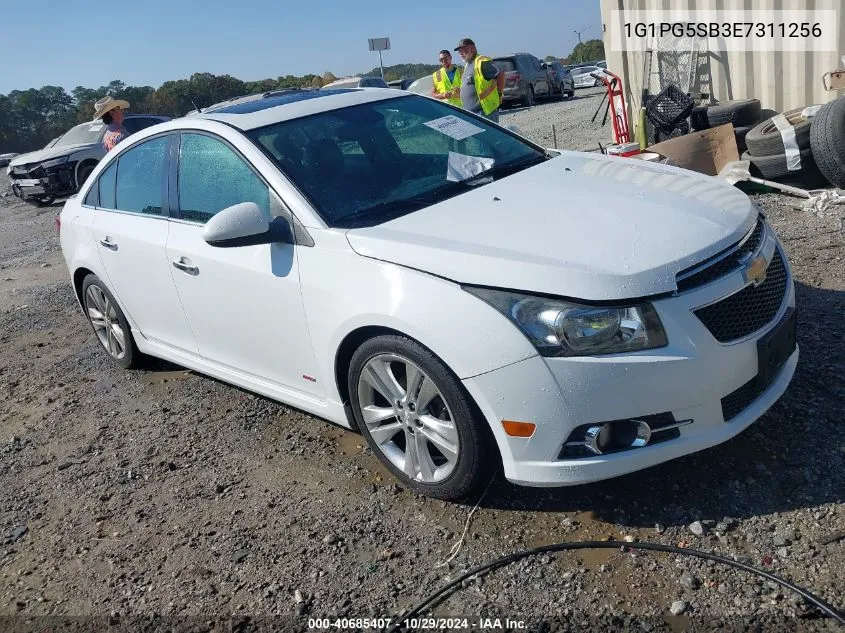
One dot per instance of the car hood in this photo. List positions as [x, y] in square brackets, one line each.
[41, 155]
[583, 226]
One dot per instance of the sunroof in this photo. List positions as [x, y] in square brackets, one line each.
[272, 102]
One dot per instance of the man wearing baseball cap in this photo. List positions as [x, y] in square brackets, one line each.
[482, 82]
[111, 112]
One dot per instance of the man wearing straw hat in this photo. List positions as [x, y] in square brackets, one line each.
[111, 112]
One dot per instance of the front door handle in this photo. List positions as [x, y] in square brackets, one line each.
[184, 264]
[109, 244]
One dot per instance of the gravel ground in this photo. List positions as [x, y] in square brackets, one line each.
[130, 495]
[570, 118]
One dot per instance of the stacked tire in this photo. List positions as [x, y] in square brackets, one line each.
[827, 141]
[767, 154]
[744, 114]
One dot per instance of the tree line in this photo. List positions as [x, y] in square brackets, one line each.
[29, 119]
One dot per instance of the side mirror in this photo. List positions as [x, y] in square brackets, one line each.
[245, 224]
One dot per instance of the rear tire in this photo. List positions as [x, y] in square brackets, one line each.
[528, 101]
[429, 435]
[109, 323]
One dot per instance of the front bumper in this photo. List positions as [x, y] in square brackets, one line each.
[52, 183]
[689, 379]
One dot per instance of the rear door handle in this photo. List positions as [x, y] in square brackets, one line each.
[109, 244]
[184, 264]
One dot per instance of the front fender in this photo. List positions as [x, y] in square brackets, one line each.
[343, 291]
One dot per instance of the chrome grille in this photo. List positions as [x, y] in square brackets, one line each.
[749, 309]
[722, 263]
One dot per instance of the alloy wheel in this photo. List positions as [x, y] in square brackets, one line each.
[408, 418]
[103, 317]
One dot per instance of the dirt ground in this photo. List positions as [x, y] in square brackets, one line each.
[127, 496]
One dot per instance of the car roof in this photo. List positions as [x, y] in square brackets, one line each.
[244, 99]
[263, 111]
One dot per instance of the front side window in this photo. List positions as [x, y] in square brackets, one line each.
[366, 164]
[140, 173]
[213, 177]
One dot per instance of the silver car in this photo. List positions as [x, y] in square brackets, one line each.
[583, 78]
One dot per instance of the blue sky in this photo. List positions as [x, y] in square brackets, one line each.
[151, 42]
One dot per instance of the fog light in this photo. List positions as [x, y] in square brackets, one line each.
[597, 438]
[631, 433]
[604, 438]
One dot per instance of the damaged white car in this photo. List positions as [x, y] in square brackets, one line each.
[463, 297]
[63, 165]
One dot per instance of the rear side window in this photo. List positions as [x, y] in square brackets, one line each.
[505, 64]
[140, 174]
[105, 186]
[212, 177]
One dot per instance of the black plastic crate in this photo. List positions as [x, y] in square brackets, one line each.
[668, 108]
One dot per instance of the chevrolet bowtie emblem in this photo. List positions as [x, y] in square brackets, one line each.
[755, 270]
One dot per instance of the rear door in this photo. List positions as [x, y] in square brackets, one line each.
[130, 227]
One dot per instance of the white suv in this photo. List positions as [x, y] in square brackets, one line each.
[462, 296]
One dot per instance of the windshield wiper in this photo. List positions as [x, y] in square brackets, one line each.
[391, 209]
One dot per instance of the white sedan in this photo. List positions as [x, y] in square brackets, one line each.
[583, 76]
[463, 297]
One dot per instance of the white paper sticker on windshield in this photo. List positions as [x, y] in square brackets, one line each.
[460, 166]
[95, 128]
[454, 127]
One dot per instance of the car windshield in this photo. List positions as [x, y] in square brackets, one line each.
[83, 134]
[584, 70]
[369, 163]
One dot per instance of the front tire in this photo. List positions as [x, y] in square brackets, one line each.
[82, 174]
[109, 323]
[418, 419]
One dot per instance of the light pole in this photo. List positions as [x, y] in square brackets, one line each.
[580, 49]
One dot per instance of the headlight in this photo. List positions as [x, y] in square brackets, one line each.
[47, 164]
[559, 328]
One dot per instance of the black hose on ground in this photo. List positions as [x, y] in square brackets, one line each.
[559, 547]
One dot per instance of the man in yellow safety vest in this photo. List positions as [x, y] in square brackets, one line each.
[482, 83]
[447, 80]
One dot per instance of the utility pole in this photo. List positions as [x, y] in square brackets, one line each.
[580, 48]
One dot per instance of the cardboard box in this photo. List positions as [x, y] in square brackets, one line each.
[704, 151]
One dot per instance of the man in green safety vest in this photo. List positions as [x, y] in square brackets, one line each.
[447, 80]
[482, 83]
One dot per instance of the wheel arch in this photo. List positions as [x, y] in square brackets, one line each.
[79, 276]
[357, 337]
[84, 162]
